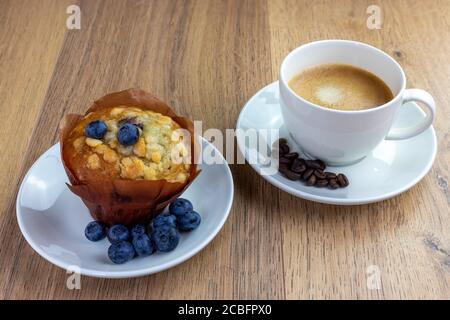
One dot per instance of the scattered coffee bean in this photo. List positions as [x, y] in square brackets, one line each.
[333, 184]
[311, 181]
[313, 164]
[293, 176]
[284, 149]
[319, 174]
[342, 180]
[284, 169]
[330, 175]
[311, 171]
[298, 166]
[322, 183]
[321, 164]
[291, 155]
[308, 173]
[284, 160]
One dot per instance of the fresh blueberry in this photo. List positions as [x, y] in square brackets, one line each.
[165, 238]
[121, 252]
[95, 231]
[189, 221]
[128, 134]
[137, 230]
[142, 245]
[118, 232]
[164, 219]
[96, 129]
[180, 207]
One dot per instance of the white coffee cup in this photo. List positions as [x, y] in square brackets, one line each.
[343, 137]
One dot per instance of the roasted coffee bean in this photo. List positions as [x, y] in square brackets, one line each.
[342, 180]
[313, 164]
[284, 160]
[330, 175]
[319, 174]
[322, 164]
[284, 149]
[322, 183]
[333, 184]
[292, 175]
[308, 173]
[284, 170]
[312, 172]
[311, 181]
[298, 166]
[291, 155]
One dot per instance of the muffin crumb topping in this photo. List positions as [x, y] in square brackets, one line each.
[144, 150]
[93, 142]
[93, 162]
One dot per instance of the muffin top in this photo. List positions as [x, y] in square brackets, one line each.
[128, 143]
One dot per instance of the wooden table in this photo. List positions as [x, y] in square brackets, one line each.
[206, 58]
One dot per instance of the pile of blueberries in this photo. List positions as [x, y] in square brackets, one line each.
[161, 235]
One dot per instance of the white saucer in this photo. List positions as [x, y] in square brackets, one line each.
[52, 220]
[392, 168]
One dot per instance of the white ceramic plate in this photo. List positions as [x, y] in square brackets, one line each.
[392, 168]
[52, 220]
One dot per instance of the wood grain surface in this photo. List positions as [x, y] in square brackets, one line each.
[206, 58]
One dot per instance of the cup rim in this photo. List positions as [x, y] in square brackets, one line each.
[377, 108]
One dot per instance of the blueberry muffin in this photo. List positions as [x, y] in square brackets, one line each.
[128, 156]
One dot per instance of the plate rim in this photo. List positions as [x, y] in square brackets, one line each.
[325, 199]
[126, 274]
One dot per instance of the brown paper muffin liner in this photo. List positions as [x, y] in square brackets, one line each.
[124, 201]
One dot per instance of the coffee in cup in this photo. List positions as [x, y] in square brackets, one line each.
[341, 87]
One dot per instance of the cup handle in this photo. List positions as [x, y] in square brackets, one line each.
[420, 96]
